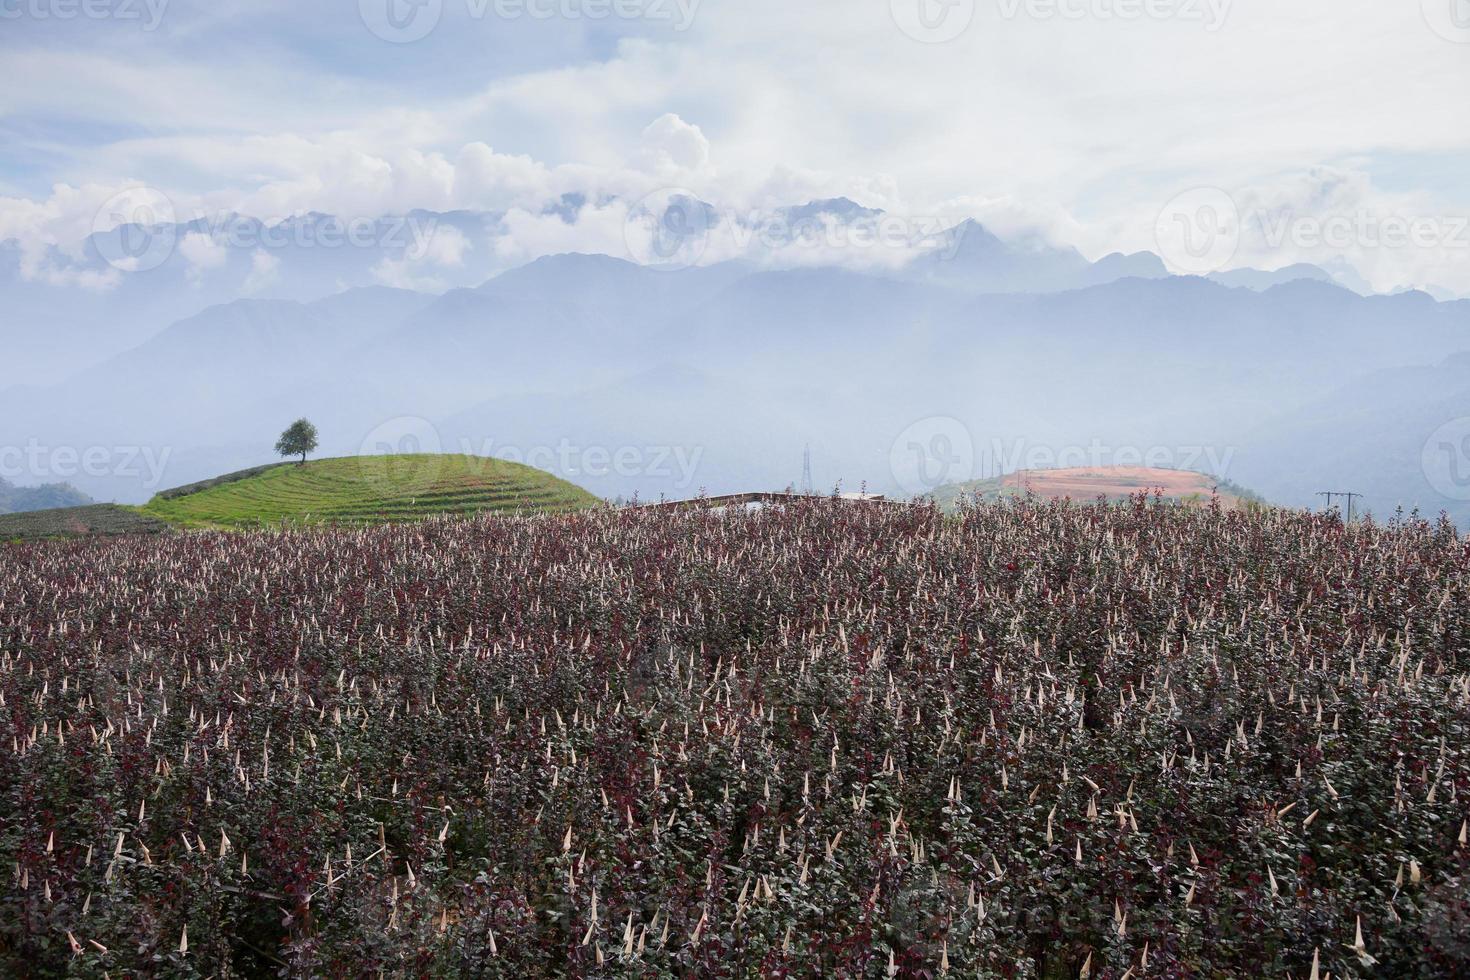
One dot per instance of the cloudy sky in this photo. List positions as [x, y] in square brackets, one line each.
[1331, 130]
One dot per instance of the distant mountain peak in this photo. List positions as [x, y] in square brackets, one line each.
[842, 208]
[1261, 280]
[972, 228]
[969, 256]
[563, 264]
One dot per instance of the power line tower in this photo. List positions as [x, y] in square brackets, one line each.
[808, 486]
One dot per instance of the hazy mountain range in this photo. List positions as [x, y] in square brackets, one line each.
[70, 308]
[980, 353]
[15, 499]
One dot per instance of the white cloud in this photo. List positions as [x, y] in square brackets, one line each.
[52, 234]
[1074, 129]
[264, 267]
[597, 228]
[202, 253]
[435, 251]
[442, 245]
[671, 145]
[1327, 213]
[488, 180]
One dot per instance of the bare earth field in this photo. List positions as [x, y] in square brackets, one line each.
[1087, 484]
[1119, 481]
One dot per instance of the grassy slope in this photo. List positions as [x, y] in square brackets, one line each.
[369, 490]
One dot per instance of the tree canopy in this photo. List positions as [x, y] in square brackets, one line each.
[299, 439]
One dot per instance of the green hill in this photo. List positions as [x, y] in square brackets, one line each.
[365, 490]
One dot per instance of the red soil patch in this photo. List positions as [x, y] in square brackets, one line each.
[1114, 482]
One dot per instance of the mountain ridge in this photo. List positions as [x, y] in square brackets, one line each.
[842, 358]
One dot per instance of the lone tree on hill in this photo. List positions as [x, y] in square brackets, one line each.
[298, 440]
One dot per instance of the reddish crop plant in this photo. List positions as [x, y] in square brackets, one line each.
[822, 739]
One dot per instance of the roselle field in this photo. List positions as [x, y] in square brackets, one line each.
[1033, 740]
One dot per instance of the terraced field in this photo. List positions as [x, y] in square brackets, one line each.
[367, 490]
[67, 522]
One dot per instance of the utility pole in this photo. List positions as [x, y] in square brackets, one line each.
[1348, 494]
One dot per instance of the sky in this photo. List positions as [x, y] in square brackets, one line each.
[1218, 133]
